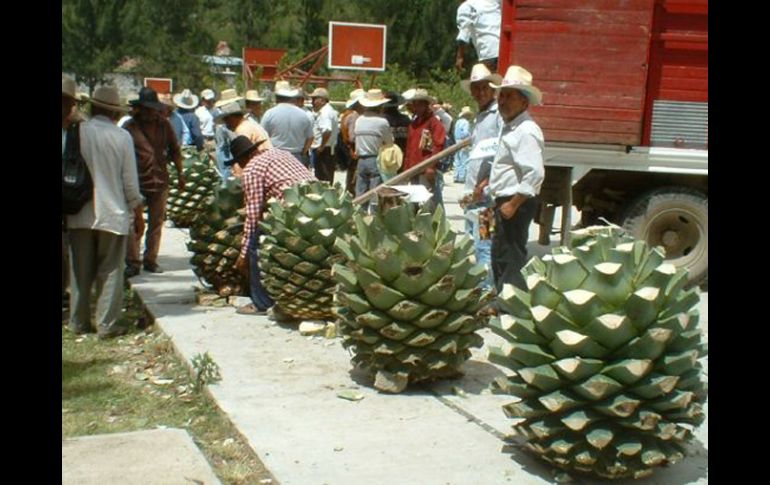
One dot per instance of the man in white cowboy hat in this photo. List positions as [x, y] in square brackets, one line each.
[98, 233]
[155, 146]
[232, 115]
[253, 106]
[205, 113]
[325, 129]
[484, 136]
[287, 125]
[186, 103]
[478, 23]
[516, 176]
[267, 172]
[426, 138]
[346, 143]
[462, 131]
[372, 131]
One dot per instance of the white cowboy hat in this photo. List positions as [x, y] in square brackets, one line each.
[480, 72]
[516, 77]
[68, 87]
[373, 98]
[355, 96]
[186, 100]
[228, 96]
[320, 93]
[284, 89]
[253, 95]
[466, 111]
[208, 95]
[108, 97]
[418, 94]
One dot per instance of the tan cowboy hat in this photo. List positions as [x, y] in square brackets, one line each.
[320, 93]
[355, 96]
[418, 94]
[231, 108]
[373, 98]
[466, 112]
[108, 97]
[253, 95]
[228, 96]
[516, 77]
[284, 89]
[479, 73]
[68, 87]
[186, 100]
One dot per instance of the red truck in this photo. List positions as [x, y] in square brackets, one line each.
[625, 114]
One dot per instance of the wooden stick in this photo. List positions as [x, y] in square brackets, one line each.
[416, 170]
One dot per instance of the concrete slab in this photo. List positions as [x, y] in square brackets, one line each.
[159, 456]
[280, 390]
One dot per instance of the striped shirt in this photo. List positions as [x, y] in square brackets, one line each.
[266, 176]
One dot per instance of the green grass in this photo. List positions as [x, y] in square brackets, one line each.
[137, 382]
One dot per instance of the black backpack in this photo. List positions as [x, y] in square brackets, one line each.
[77, 187]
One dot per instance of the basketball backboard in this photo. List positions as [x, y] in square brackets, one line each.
[161, 85]
[357, 46]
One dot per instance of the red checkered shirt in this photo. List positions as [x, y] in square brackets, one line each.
[266, 176]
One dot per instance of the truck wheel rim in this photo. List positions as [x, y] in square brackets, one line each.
[681, 233]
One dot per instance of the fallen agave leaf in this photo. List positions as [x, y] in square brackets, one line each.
[459, 392]
[350, 395]
[141, 376]
[331, 330]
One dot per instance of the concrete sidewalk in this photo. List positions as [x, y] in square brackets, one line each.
[280, 390]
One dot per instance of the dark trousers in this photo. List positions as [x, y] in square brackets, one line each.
[324, 165]
[350, 177]
[156, 214]
[259, 295]
[509, 245]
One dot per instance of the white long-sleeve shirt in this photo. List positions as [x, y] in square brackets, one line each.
[518, 166]
[478, 22]
[109, 154]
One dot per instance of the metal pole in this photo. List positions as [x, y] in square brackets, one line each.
[416, 170]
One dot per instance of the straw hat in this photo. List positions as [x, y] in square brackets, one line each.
[228, 96]
[284, 89]
[320, 93]
[186, 100]
[107, 97]
[373, 98]
[253, 95]
[208, 94]
[418, 94]
[231, 108]
[516, 77]
[355, 96]
[479, 73]
[68, 87]
[466, 112]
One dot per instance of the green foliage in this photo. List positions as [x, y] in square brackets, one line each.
[206, 371]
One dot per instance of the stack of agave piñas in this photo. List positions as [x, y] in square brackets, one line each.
[216, 240]
[201, 178]
[408, 297]
[605, 346]
[297, 249]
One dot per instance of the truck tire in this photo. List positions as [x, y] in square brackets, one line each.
[677, 219]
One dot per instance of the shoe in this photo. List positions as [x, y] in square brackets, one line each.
[152, 268]
[250, 309]
[131, 271]
[114, 331]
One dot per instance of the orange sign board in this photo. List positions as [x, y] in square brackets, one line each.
[160, 85]
[357, 46]
[267, 59]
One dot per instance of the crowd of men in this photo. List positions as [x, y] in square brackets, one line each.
[377, 135]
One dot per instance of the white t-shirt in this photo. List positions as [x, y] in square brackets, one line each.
[478, 22]
[207, 121]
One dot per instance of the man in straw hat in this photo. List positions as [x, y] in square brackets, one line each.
[287, 125]
[516, 176]
[99, 231]
[426, 138]
[205, 113]
[266, 173]
[486, 129]
[478, 23]
[371, 132]
[155, 145]
[186, 103]
[232, 114]
[253, 106]
[325, 129]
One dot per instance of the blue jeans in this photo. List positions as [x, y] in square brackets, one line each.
[367, 178]
[259, 296]
[461, 165]
[483, 246]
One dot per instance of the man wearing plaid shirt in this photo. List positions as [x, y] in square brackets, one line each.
[266, 173]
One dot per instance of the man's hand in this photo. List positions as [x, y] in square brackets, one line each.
[181, 182]
[139, 220]
[509, 208]
[242, 265]
[430, 174]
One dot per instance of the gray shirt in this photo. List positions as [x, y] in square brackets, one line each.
[518, 167]
[288, 127]
[109, 154]
[372, 131]
[484, 135]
